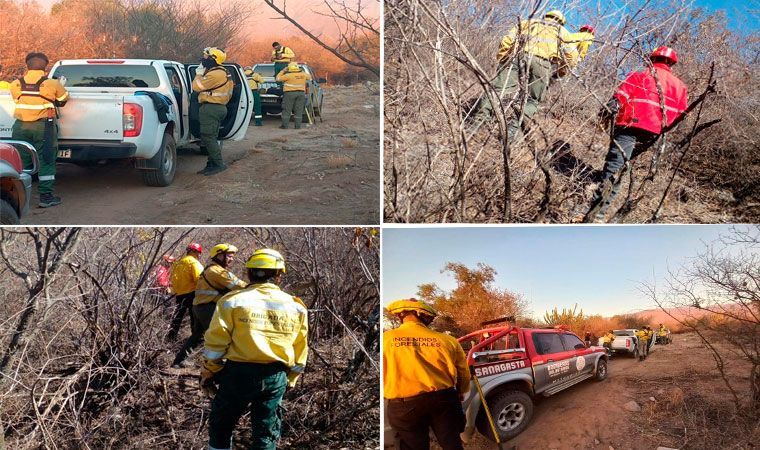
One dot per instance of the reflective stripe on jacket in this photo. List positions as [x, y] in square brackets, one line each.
[214, 282]
[214, 86]
[259, 324]
[293, 81]
[544, 39]
[640, 100]
[286, 55]
[417, 359]
[185, 273]
[32, 105]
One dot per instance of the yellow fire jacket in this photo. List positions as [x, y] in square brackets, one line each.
[214, 282]
[254, 80]
[35, 105]
[582, 41]
[214, 86]
[184, 275]
[643, 335]
[663, 332]
[293, 81]
[609, 337]
[544, 39]
[417, 359]
[259, 324]
[286, 55]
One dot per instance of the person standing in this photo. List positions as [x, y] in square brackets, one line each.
[636, 109]
[425, 379]
[214, 87]
[162, 287]
[256, 347]
[607, 341]
[184, 277]
[294, 80]
[215, 281]
[36, 97]
[254, 81]
[642, 343]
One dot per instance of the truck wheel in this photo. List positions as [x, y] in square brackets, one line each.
[165, 163]
[511, 412]
[8, 214]
[601, 370]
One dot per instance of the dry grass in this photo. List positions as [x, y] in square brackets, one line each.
[349, 143]
[339, 161]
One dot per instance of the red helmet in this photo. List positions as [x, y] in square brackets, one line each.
[195, 247]
[588, 28]
[665, 52]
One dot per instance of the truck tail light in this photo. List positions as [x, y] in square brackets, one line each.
[627, 343]
[132, 118]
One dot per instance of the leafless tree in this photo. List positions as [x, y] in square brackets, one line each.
[442, 167]
[718, 292]
[358, 27]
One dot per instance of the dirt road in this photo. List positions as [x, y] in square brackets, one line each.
[327, 173]
[591, 415]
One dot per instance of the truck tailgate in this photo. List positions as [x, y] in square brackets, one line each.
[92, 116]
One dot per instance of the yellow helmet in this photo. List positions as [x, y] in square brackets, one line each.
[266, 258]
[411, 304]
[217, 54]
[248, 72]
[293, 67]
[556, 15]
[222, 248]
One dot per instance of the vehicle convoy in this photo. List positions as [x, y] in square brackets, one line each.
[136, 109]
[15, 182]
[271, 92]
[625, 342]
[515, 365]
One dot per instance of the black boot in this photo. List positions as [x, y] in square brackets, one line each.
[48, 199]
[215, 168]
[205, 169]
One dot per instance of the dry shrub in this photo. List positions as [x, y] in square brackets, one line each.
[441, 168]
[349, 143]
[339, 161]
[83, 359]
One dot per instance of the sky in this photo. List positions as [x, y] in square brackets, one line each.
[599, 268]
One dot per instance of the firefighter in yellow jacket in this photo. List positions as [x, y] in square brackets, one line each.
[254, 81]
[643, 343]
[257, 345]
[294, 80]
[425, 377]
[214, 87]
[281, 57]
[184, 277]
[215, 281]
[36, 97]
[543, 42]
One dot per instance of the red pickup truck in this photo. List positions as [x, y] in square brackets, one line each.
[515, 365]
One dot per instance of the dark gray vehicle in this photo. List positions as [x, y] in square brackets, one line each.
[15, 181]
[271, 93]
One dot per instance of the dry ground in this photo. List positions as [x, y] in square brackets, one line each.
[591, 415]
[327, 173]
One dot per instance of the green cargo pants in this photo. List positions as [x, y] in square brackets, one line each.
[278, 66]
[257, 388]
[506, 83]
[293, 102]
[34, 133]
[257, 116]
[210, 117]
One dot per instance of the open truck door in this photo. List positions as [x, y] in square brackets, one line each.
[239, 109]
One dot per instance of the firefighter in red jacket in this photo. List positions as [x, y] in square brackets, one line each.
[638, 118]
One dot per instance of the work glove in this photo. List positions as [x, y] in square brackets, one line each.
[207, 382]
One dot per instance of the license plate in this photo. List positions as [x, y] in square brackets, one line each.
[64, 153]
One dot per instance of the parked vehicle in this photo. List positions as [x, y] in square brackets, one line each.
[515, 365]
[15, 182]
[136, 109]
[663, 340]
[626, 342]
[271, 93]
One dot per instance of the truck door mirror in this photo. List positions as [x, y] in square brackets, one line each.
[321, 80]
[580, 346]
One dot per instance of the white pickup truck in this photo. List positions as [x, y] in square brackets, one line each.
[113, 113]
[625, 342]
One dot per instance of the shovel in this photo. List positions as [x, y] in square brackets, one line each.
[496, 436]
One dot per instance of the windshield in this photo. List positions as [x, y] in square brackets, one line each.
[623, 333]
[266, 70]
[108, 75]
